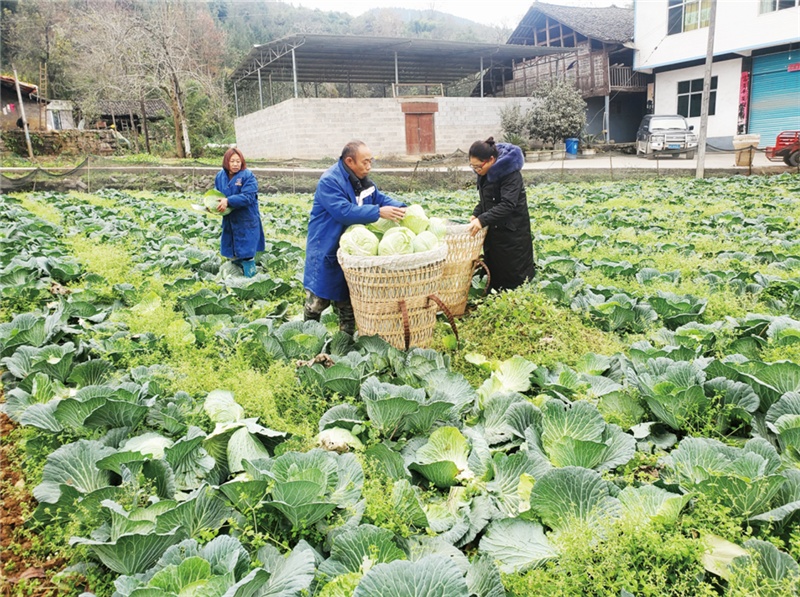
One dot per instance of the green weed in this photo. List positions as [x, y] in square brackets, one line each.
[525, 323]
[641, 559]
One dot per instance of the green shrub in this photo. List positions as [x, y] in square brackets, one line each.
[558, 112]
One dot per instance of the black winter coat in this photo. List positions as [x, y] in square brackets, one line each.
[503, 207]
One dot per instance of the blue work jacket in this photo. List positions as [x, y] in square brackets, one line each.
[242, 233]
[334, 209]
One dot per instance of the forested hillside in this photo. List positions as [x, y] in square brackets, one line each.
[180, 51]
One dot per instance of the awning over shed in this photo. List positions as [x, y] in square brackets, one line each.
[311, 58]
[28, 89]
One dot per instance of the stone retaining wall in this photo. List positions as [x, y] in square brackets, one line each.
[70, 142]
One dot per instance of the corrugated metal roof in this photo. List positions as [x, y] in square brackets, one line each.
[611, 24]
[357, 59]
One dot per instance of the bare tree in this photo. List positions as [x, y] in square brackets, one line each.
[36, 38]
[135, 48]
[186, 47]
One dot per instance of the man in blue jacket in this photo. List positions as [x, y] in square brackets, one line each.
[344, 196]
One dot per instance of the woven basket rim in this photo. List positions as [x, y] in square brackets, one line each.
[463, 229]
[453, 229]
[393, 262]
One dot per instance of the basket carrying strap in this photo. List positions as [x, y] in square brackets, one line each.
[480, 264]
[447, 314]
[406, 326]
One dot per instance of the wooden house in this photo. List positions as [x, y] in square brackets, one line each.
[127, 114]
[601, 66]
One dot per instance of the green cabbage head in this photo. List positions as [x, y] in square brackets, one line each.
[415, 219]
[211, 201]
[397, 241]
[357, 240]
[425, 241]
[438, 226]
[381, 226]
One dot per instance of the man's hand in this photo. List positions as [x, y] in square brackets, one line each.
[390, 212]
[474, 226]
[223, 204]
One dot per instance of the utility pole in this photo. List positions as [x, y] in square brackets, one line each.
[22, 112]
[701, 141]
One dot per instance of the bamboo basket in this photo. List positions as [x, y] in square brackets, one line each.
[463, 252]
[394, 297]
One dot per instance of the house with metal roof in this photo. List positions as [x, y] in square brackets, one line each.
[600, 64]
[406, 102]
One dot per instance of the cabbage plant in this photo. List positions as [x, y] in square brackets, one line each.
[744, 479]
[775, 570]
[305, 487]
[443, 460]
[577, 435]
[673, 390]
[783, 419]
[188, 568]
[132, 542]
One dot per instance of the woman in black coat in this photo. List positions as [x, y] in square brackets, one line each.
[503, 207]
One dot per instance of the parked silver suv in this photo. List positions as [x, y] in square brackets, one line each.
[665, 135]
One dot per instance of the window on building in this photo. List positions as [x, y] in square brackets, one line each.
[773, 5]
[690, 97]
[688, 15]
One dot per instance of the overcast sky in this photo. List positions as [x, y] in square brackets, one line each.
[503, 13]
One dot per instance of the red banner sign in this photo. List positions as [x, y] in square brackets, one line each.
[744, 97]
[793, 67]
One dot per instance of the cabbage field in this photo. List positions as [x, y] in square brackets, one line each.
[628, 424]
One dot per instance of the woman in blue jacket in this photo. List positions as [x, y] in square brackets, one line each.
[242, 233]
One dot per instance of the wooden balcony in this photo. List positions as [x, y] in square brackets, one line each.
[589, 71]
[624, 78]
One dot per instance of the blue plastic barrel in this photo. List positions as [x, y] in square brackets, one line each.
[572, 146]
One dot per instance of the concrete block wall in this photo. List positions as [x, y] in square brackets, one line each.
[463, 120]
[267, 133]
[313, 128]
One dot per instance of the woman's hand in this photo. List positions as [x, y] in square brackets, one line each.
[223, 204]
[474, 225]
[390, 212]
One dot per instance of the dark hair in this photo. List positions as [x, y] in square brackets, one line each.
[351, 149]
[226, 159]
[483, 150]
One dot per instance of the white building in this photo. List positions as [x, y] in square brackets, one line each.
[756, 69]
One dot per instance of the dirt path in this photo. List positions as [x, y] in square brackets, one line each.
[19, 565]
